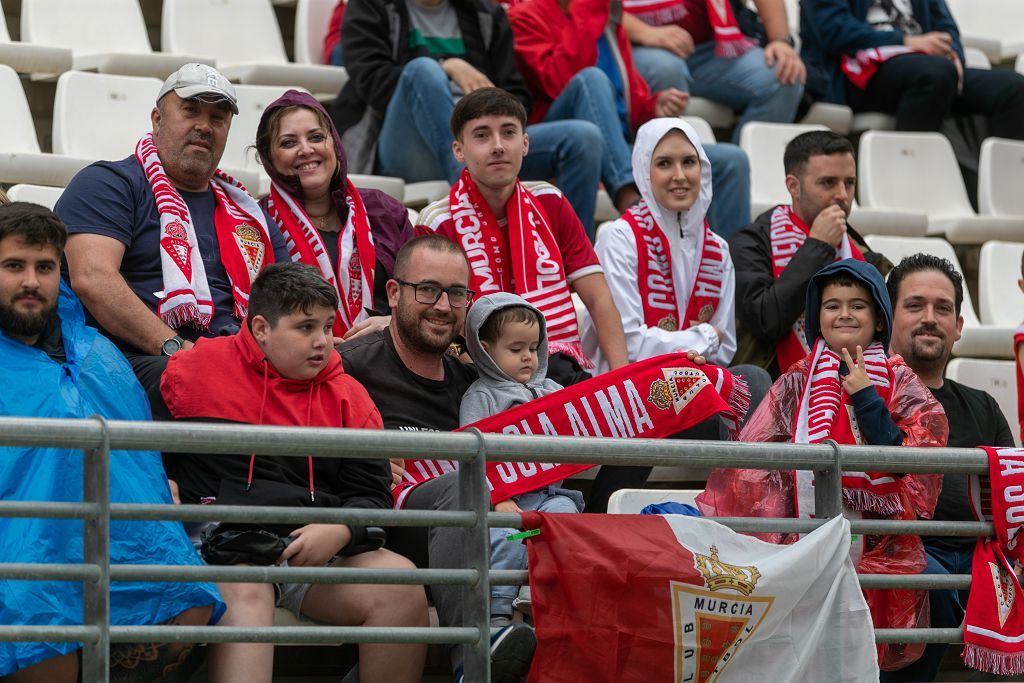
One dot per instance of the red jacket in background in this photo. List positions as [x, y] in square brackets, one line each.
[552, 47]
[333, 36]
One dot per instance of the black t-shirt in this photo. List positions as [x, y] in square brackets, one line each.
[974, 420]
[406, 400]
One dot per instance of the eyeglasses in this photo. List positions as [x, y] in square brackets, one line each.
[429, 293]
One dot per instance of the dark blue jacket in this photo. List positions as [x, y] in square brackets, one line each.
[831, 28]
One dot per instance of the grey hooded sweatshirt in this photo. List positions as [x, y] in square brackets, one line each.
[496, 391]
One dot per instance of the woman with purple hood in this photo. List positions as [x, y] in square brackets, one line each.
[352, 235]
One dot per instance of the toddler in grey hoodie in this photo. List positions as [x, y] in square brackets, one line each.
[507, 339]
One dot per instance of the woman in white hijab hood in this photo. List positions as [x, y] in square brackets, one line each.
[671, 277]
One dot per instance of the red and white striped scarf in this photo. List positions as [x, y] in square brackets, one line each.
[357, 256]
[537, 273]
[242, 237]
[787, 234]
[657, 283]
[994, 623]
[861, 66]
[729, 40]
[825, 412]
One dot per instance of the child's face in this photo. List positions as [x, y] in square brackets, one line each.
[847, 317]
[300, 344]
[515, 351]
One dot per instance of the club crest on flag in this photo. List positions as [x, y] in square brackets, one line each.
[711, 625]
[175, 243]
[251, 245]
[1003, 582]
[678, 388]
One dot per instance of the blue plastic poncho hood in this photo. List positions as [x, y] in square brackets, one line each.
[859, 271]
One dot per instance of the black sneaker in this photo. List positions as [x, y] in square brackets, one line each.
[511, 654]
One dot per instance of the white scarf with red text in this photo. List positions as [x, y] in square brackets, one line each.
[657, 283]
[242, 236]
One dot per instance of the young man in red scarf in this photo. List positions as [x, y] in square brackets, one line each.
[282, 369]
[777, 254]
[523, 238]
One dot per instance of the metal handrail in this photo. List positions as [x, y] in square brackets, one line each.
[97, 437]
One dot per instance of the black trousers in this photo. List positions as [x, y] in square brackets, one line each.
[920, 90]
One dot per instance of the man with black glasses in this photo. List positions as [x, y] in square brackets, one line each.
[418, 386]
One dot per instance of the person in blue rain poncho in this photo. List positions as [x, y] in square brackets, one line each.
[53, 366]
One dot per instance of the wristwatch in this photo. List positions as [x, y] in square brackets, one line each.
[788, 40]
[172, 345]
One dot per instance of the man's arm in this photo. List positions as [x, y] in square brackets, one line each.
[366, 51]
[671, 37]
[94, 266]
[790, 68]
[593, 290]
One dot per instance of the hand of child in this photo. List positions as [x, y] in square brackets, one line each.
[397, 471]
[507, 506]
[315, 544]
[857, 378]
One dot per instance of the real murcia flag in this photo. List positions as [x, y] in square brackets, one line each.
[645, 598]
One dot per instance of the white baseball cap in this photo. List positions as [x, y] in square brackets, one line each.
[200, 81]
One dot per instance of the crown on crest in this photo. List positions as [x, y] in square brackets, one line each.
[719, 575]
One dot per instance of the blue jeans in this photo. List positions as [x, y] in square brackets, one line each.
[512, 554]
[745, 83]
[730, 188]
[947, 611]
[415, 141]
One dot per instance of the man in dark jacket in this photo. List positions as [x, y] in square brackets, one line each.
[409, 60]
[904, 57]
[777, 254]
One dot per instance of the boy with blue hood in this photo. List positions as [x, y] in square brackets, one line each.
[847, 389]
[507, 339]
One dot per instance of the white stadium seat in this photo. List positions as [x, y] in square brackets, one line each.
[703, 128]
[632, 501]
[1000, 301]
[21, 160]
[418, 195]
[918, 172]
[836, 117]
[108, 36]
[715, 113]
[37, 194]
[1019, 64]
[976, 59]
[31, 59]
[1001, 178]
[872, 120]
[992, 26]
[997, 377]
[244, 37]
[984, 341]
[100, 116]
[393, 187]
[311, 20]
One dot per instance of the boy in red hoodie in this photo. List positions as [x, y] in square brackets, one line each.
[281, 369]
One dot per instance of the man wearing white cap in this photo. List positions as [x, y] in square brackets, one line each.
[162, 246]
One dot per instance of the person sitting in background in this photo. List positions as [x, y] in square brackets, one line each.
[847, 389]
[696, 46]
[523, 238]
[777, 255]
[352, 235]
[576, 58]
[409, 61]
[1018, 352]
[904, 57]
[54, 366]
[282, 369]
[163, 246]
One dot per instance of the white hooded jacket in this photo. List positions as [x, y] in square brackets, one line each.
[616, 248]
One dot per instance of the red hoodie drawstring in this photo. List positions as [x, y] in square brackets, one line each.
[263, 404]
[309, 458]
